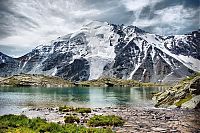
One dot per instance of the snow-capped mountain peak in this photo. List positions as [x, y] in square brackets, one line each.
[100, 49]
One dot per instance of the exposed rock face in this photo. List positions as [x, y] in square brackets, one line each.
[76, 71]
[100, 49]
[186, 94]
[8, 65]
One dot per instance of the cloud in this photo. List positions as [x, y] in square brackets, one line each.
[170, 20]
[175, 14]
[164, 17]
[138, 5]
[27, 23]
[33, 21]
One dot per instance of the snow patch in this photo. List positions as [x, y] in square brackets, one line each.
[96, 66]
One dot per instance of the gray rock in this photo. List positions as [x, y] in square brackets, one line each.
[193, 103]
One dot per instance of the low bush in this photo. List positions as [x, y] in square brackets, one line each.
[21, 124]
[78, 110]
[66, 109]
[110, 120]
[83, 110]
[71, 119]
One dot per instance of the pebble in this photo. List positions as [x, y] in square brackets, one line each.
[157, 129]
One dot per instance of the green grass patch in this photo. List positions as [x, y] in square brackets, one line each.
[78, 110]
[181, 101]
[83, 110]
[110, 82]
[66, 109]
[110, 120]
[21, 124]
[71, 119]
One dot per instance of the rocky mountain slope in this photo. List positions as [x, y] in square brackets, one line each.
[100, 49]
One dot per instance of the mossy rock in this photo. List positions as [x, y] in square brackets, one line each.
[179, 94]
[183, 100]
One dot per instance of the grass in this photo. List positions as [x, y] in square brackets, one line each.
[110, 120]
[110, 82]
[66, 109]
[21, 124]
[78, 110]
[183, 100]
[83, 110]
[35, 80]
[47, 81]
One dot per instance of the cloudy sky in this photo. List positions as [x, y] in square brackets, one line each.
[24, 24]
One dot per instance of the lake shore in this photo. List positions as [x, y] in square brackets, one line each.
[136, 119]
[38, 80]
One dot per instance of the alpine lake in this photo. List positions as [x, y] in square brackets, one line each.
[134, 105]
[16, 99]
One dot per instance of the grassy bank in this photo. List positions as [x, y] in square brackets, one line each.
[38, 80]
[21, 124]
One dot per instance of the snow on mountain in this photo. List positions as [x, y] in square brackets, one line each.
[100, 49]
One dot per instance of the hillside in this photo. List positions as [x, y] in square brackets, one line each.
[28, 80]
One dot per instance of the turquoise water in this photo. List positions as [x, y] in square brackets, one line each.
[13, 100]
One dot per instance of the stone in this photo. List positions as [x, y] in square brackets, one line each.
[185, 94]
[191, 104]
[158, 129]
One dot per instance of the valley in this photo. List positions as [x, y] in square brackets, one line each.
[126, 79]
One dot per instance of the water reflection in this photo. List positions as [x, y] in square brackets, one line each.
[90, 97]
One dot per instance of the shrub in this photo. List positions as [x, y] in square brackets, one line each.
[21, 124]
[110, 120]
[78, 110]
[83, 110]
[71, 119]
[66, 109]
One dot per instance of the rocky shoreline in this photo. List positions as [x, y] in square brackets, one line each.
[138, 120]
[185, 94]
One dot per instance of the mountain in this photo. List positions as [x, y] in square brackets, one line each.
[8, 65]
[100, 49]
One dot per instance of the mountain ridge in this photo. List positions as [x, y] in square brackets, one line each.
[100, 49]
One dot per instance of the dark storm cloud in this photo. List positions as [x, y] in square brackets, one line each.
[169, 17]
[28, 23]
[9, 16]
[116, 15]
[186, 3]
